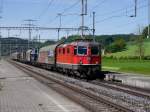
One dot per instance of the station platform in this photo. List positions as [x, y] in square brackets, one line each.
[22, 93]
[137, 80]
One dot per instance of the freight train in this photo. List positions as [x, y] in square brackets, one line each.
[79, 58]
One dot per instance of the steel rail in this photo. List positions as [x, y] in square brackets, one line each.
[118, 107]
[126, 89]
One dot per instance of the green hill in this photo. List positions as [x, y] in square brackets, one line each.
[124, 62]
[131, 50]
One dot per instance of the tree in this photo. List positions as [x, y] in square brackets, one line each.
[145, 32]
[140, 45]
[118, 45]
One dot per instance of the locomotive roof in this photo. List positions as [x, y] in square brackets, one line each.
[76, 43]
[80, 43]
[49, 47]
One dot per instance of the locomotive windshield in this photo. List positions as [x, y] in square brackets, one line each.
[82, 50]
[94, 50]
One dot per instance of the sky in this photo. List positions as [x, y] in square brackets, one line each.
[112, 16]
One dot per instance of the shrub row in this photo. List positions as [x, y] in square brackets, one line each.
[127, 57]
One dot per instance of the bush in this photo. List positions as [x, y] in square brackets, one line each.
[126, 57]
[118, 45]
[146, 58]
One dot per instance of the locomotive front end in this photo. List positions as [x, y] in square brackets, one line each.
[89, 59]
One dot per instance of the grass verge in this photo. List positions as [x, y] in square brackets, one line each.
[130, 66]
[131, 50]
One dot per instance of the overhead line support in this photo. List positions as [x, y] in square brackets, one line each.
[29, 26]
[148, 19]
[94, 26]
[83, 13]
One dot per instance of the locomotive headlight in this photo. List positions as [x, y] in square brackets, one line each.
[81, 62]
[96, 62]
[89, 59]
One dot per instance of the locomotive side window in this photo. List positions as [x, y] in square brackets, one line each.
[94, 50]
[75, 50]
[59, 51]
[63, 50]
[68, 50]
[82, 50]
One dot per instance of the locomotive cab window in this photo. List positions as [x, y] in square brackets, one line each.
[82, 50]
[94, 50]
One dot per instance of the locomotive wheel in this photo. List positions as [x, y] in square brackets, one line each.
[99, 75]
[91, 75]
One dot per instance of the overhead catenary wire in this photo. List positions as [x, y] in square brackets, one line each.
[65, 10]
[119, 15]
[112, 12]
[1, 6]
[124, 10]
[121, 27]
[98, 5]
[93, 7]
[70, 7]
[46, 9]
[130, 23]
[118, 10]
[76, 14]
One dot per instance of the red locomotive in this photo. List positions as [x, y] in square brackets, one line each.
[79, 58]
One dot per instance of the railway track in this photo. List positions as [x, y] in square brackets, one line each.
[81, 95]
[140, 92]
